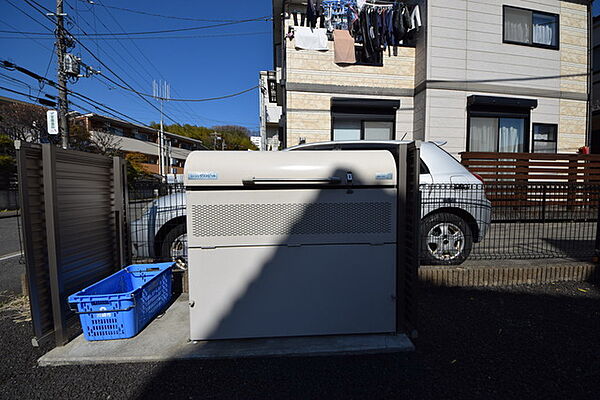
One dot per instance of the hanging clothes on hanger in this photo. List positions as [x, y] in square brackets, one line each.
[311, 38]
[343, 47]
[415, 18]
[313, 12]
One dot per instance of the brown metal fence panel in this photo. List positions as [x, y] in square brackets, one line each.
[31, 192]
[74, 225]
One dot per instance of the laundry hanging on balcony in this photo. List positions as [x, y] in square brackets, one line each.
[344, 47]
[376, 25]
[311, 38]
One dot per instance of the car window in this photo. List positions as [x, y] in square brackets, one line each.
[423, 169]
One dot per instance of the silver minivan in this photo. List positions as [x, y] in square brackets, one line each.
[455, 212]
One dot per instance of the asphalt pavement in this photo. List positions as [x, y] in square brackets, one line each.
[535, 342]
[9, 236]
[11, 262]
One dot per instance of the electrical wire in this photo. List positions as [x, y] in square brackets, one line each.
[82, 97]
[101, 62]
[114, 51]
[184, 100]
[29, 96]
[143, 55]
[35, 40]
[128, 86]
[157, 15]
[111, 38]
[194, 28]
[29, 16]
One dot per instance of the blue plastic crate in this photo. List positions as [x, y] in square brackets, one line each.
[120, 306]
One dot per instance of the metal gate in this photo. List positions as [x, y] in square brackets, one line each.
[74, 222]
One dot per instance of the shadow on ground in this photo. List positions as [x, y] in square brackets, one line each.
[529, 341]
[540, 341]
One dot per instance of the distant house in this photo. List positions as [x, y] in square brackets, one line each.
[134, 138]
[270, 112]
[257, 141]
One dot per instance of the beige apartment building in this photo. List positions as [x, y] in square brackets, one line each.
[482, 75]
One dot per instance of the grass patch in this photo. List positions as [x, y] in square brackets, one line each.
[15, 308]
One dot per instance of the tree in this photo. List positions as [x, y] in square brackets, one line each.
[99, 142]
[135, 169]
[25, 122]
[236, 137]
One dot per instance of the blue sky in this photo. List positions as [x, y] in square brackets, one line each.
[226, 60]
[198, 67]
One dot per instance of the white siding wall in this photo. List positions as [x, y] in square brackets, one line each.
[465, 49]
[465, 44]
[447, 116]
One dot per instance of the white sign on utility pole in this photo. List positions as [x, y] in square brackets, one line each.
[52, 116]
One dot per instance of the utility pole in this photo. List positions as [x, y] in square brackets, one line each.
[161, 92]
[61, 50]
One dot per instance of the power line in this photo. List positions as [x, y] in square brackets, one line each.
[78, 95]
[194, 28]
[29, 16]
[124, 59]
[148, 61]
[183, 100]
[100, 61]
[38, 99]
[158, 15]
[27, 36]
[239, 34]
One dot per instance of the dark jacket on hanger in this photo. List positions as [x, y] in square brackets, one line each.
[398, 22]
[313, 12]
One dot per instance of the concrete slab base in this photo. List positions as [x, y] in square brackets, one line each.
[166, 339]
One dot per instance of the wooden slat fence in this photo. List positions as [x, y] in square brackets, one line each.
[525, 179]
[534, 167]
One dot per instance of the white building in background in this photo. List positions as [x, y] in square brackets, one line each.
[257, 141]
[270, 112]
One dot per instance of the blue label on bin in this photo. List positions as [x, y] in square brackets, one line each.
[203, 176]
[384, 176]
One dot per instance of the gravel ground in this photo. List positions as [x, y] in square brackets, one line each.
[524, 342]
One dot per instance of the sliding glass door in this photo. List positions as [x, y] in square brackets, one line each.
[497, 134]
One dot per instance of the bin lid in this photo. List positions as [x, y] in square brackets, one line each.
[237, 168]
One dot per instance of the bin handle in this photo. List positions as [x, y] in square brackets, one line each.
[142, 271]
[103, 311]
[254, 180]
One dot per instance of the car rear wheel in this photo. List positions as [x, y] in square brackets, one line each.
[174, 244]
[446, 239]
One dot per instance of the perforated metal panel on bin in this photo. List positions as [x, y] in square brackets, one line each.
[291, 244]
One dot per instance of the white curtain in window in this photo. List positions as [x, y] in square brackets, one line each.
[517, 25]
[542, 34]
[483, 134]
[511, 135]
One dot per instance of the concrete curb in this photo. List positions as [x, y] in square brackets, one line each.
[473, 276]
